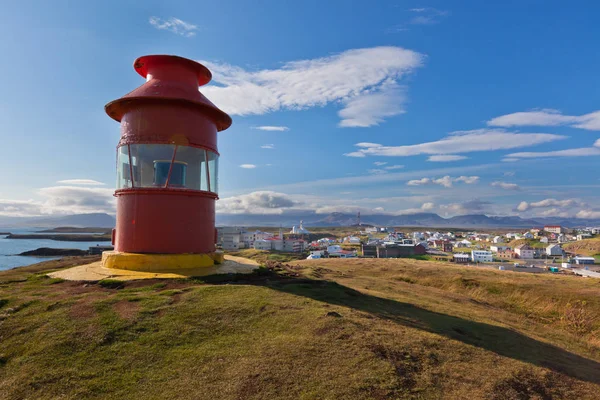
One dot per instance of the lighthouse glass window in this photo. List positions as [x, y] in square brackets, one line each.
[166, 165]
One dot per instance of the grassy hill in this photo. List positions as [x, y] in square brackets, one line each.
[586, 247]
[535, 243]
[313, 329]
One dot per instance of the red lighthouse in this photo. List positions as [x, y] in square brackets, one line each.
[167, 165]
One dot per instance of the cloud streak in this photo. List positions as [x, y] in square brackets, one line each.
[548, 117]
[446, 181]
[270, 128]
[363, 81]
[459, 142]
[174, 25]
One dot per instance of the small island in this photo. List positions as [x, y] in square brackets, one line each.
[50, 252]
[72, 229]
[62, 237]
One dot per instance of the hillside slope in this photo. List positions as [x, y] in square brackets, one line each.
[586, 247]
[322, 329]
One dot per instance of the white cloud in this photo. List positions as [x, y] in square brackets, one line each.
[248, 166]
[421, 16]
[467, 207]
[427, 206]
[461, 142]
[379, 163]
[261, 202]
[76, 200]
[373, 108]
[392, 167]
[548, 117]
[267, 146]
[505, 185]
[445, 181]
[377, 171]
[509, 159]
[20, 208]
[89, 182]
[445, 158]
[419, 182]
[580, 152]
[509, 173]
[174, 25]
[272, 128]
[469, 180]
[588, 214]
[567, 203]
[364, 81]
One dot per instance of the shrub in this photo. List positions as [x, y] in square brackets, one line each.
[577, 318]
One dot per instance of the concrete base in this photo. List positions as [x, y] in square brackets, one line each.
[96, 271]
[159, 262]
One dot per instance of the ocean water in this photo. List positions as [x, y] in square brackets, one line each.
[10, 247]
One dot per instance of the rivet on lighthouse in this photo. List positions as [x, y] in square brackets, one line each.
[167, 165]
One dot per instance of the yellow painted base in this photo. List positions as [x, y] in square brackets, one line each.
[159, 262]
[95, 272]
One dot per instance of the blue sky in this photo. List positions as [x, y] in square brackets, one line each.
[398, 107]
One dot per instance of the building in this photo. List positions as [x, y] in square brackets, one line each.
[506, 253]
[525, 251]
[230, 237]
[447, 247]
[583, 260]
[461, 258]
[554, 250]
[497, 249]
[498, 239]
[299, 230]
[562, 238]
[481, 256]
[528, 235]
[583, 236]
[352, 240]
[463, 243]
[393, 250]
[554, 229]
[543, 239]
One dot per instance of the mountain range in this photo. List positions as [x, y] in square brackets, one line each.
[419, 219]
[432, 220]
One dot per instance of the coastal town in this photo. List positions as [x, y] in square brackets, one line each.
[542, 249]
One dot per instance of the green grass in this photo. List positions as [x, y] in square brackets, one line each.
[321, 329]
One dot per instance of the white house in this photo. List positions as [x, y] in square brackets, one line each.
[496, 249]
[352, 239]
[481, 256]
[562, 238]
[525, 251]
[498, 239]
[528, 235]
[582, 236]
[544, 239]
[554, 250]
[463, 243]
[418, 236]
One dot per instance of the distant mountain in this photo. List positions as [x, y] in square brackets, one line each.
[98, 220]
[421, 219]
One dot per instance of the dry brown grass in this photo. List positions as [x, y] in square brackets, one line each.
[320, 329]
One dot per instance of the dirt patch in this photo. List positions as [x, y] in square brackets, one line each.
[127, 309]
[82, 310]
[527, 384]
